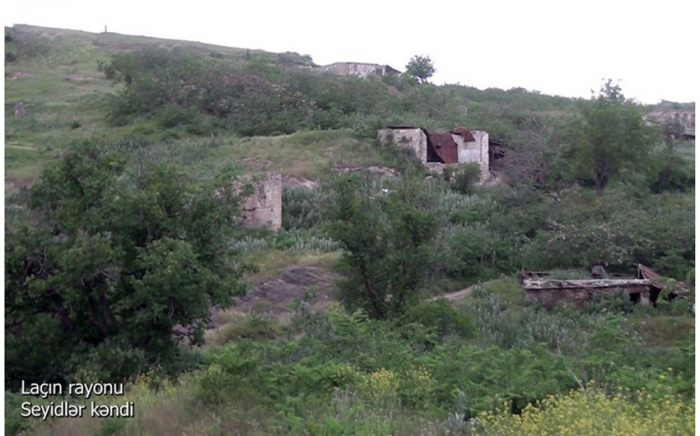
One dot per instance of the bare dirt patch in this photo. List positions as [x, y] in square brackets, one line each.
[21, 75]
[276, 294]
[76, 78]
[14, 184]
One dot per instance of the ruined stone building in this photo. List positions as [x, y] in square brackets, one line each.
[440, 150]
[359, 69]
[645, 288]
[684, 116]
[264, 207]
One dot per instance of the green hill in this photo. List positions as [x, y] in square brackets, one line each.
[131, 243]
[62, 85]
[54, 74]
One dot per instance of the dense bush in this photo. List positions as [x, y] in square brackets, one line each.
[300, 207]
[596, 413]
[671, 174]
[571, 231]
[111, 256]
[503, 230]
[262, 95]
[500, 352]
[386, 237]
[465, 178]
[429, 372]
[442, 316]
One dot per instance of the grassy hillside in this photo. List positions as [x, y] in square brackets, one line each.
[54, 73]
[121, 247]
[59, 77]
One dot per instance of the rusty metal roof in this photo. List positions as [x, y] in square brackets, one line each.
[466, 133]
[444, 145]
[644, 272]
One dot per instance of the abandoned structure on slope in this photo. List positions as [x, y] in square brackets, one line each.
[440, 150]
[359, 69]
[645, 288]
[686, 117]
[263, 208]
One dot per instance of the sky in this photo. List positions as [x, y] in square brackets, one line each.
[562, 47]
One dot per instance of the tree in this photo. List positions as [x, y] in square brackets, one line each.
[421, 67]
[536, 157]
[112, 258]
[386, 240]
[463, 179]
[609, 137]
[671, 171]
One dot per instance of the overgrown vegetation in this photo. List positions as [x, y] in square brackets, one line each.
[259, 97]
[431, 371]
[121, 247]
[386, 237]
[108, 260]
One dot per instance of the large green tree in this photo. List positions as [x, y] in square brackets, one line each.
[386, 239]
[421, 67]
[609, 137]
[117, 260]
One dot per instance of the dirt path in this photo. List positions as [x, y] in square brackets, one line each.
[275, 295]
[21, 147]
[454, 295]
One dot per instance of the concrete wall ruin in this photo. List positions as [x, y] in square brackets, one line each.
[359, 69]
[548, 298]
[415, 139]
[477, 151]
[685, 117]
[264, 207]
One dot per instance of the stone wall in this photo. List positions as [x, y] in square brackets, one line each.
[477, 151]
[413, 139]
[358, 69]
[685, 116]
[550, 297]
[264, 207]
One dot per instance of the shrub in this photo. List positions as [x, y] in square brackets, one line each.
[301, 207]
[385, 237]
[212, 384]
[477, 252]
[677, 176]
[119, 283]
[442, 316]
[466, 178]
[618, 302]
[381, 386]
[593, 412]
[107, 69]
